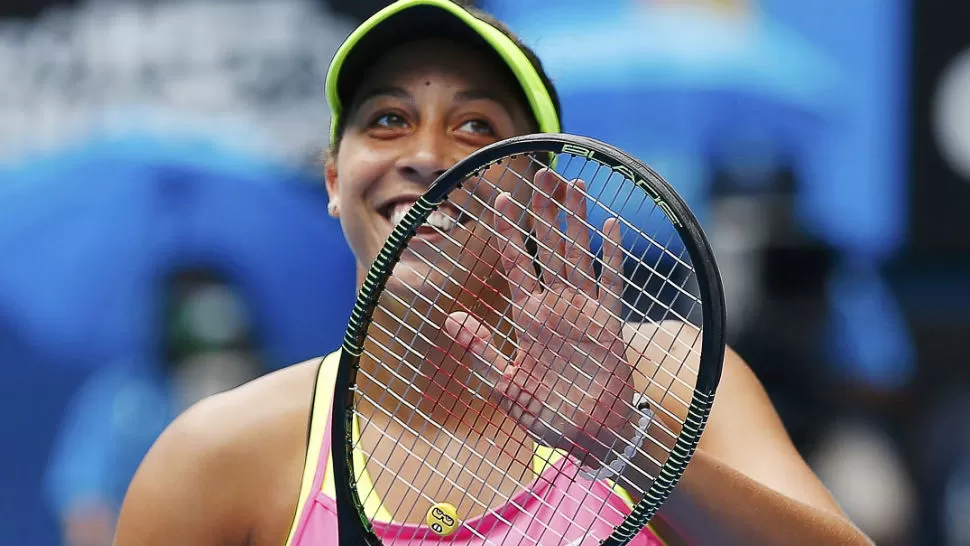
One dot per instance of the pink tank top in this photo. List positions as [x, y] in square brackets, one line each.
[545, 515]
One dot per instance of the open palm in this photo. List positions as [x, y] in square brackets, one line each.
[569, 381]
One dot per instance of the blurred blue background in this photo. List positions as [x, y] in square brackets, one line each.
[163, 226]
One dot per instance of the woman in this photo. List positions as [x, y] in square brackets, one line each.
[413, 90]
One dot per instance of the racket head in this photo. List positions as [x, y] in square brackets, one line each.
[558, 152]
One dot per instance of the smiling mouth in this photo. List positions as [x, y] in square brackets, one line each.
[444, 219]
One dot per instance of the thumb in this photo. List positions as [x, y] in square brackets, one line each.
[475, 338]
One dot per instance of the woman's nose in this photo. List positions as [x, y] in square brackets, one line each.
[426, 157]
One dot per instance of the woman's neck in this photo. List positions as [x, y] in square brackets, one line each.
[410, 377]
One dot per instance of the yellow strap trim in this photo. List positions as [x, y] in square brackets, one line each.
[322, 395]
[372, 503]
[373, 506]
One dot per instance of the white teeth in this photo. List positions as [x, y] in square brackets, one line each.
[398, 214]
[442, 221]
[437, 219]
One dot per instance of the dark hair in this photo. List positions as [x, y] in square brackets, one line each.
[526, 50]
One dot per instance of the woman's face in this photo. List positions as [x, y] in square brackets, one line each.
[425, 106]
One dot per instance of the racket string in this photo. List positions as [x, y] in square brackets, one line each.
[417, 434]
[623, 220]
[494, 468]
[467, 407]
[522, 330]
[485, 506]
[627, 255]
[403, 360]
[666, 430]
[448, 277]
[418, 317]
[524, 233]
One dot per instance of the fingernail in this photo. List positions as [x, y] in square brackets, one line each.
[462, 335]
[465, 338]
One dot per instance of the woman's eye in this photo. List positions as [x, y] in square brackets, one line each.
[477, 126]
[390, 121]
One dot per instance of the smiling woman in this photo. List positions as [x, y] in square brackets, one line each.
[414, 90]
[425, 105]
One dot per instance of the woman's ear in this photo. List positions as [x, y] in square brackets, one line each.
[330, 175]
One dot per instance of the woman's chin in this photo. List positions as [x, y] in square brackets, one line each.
[414, 276]
[422, 287]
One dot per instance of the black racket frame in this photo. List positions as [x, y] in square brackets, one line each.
[354, 527]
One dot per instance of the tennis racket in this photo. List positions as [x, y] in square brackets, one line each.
[532, 357]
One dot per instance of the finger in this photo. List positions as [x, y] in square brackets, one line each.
[578, 263]
[546, 203]
[516, 260]
[530, 413]
[491, 367]
[475, 340]
[611, 280]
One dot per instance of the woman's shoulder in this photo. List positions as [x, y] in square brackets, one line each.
[237, 455]
[254, 413]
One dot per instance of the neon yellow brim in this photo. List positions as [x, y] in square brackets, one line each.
[540, 101]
